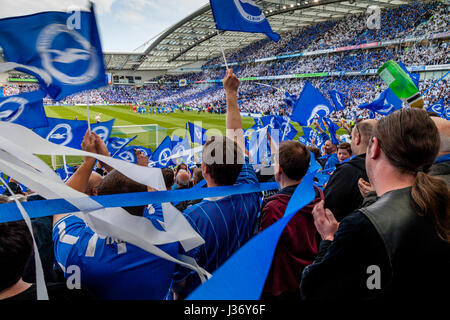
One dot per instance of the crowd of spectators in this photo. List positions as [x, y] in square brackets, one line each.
[386, 205]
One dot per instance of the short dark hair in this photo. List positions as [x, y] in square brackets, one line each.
[115, 182]
[346, 146]
[223, 173]
[197, 175]
[294, 159]
[16, 247]
[168, 176]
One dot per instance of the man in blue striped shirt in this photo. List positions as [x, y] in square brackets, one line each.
[225, 223]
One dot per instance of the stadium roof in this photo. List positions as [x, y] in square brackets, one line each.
[194, 38]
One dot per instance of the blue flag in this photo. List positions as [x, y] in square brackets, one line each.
[257, 147]
[386, 103]
[65, 172]
[180, 146]
[287, 131]
[147, 152]
[241, 15]
[447, 113]
[103, 129]
[64, 132]
[415, 77]
[70, 133]
[338, 99]
[25, 109]
[332, 129]
[64, 60]
[310, 104]
[437, 108]
[289, 99]
[162, 153]
[198, 134]
[127, 154]
[307, 135]
[115, 144]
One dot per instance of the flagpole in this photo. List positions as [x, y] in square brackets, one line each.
[221, 48]
[435, 83]
[88, 122]
[268, 85]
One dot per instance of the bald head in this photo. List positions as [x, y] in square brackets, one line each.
[361, 134]
[183, 179]
[94, 181]
[443, 127]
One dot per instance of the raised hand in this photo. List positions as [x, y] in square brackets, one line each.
[325, 221]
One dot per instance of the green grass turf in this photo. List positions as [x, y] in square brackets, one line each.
[172, 123]
[169, 124]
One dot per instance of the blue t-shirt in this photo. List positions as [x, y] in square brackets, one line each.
[225, 223]
[331, 163]
[112, 269]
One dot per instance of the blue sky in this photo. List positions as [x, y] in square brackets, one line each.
[124, 24]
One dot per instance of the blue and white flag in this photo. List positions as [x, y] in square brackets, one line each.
[437, 108]
[332, 129]
[162, 153]
[198, 134]
[307, 135]
[25, 109]
[415, 77]
[180, 146]
[338, 99]
[115, 144]
[146, 151]
[64, 132]
[241, 15]
[386, 103]
[64, 59]
[310, 104]
[447, 113]
[258, 147]
[70, 133]
[302, 140]
[127, 154]
[287, 131]
[103, 129]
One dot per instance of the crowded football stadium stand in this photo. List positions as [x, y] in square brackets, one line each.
[385, 202]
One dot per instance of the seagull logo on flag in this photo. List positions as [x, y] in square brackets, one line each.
[70, 55]
[315, 112]
[51, 55]
[164, 157]
[249, 10]
[126, 156]
[60, 132]
[102, 132]
[12, 114]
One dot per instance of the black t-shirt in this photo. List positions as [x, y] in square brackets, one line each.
[56, 292]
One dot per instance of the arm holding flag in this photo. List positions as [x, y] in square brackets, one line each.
[79, 180]
[233, 120]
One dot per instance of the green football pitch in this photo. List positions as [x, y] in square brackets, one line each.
[128, 124]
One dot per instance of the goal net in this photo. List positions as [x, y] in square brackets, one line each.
[148, 135]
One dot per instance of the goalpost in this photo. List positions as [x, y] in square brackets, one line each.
[148, 135]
